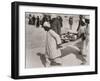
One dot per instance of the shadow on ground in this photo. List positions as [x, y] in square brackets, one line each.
[42, 58]
[66, 51]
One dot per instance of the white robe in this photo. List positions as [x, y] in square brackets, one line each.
[52, 39]
[83, 30]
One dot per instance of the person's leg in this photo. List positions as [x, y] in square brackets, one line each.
[47, 64]
[82, 52]
[71, 27]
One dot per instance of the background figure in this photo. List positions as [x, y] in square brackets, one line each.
[87, 30]
[38, 22]
[56, 26]
[70, 22]
[61, 20]
[80, 21]
[43, 20]
[30, 19]
[33, 20]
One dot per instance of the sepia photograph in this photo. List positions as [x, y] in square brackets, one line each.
[50, 40]
[54, 39]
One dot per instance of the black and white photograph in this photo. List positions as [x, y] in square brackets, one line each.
[56, 40]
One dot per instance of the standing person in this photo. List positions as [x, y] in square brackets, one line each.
[55, 24]
[80, 20]
[33, 20]
[70, 22]
[60, 24]
[87, 30]
[43, 20]
[30, 19]
[53, 42]
[41, 17]
[61, 20]
[82, 34]
[38, 22]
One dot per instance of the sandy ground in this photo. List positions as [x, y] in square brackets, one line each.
[35, 44]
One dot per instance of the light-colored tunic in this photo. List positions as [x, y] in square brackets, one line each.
[52, 39]
[83, 30]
